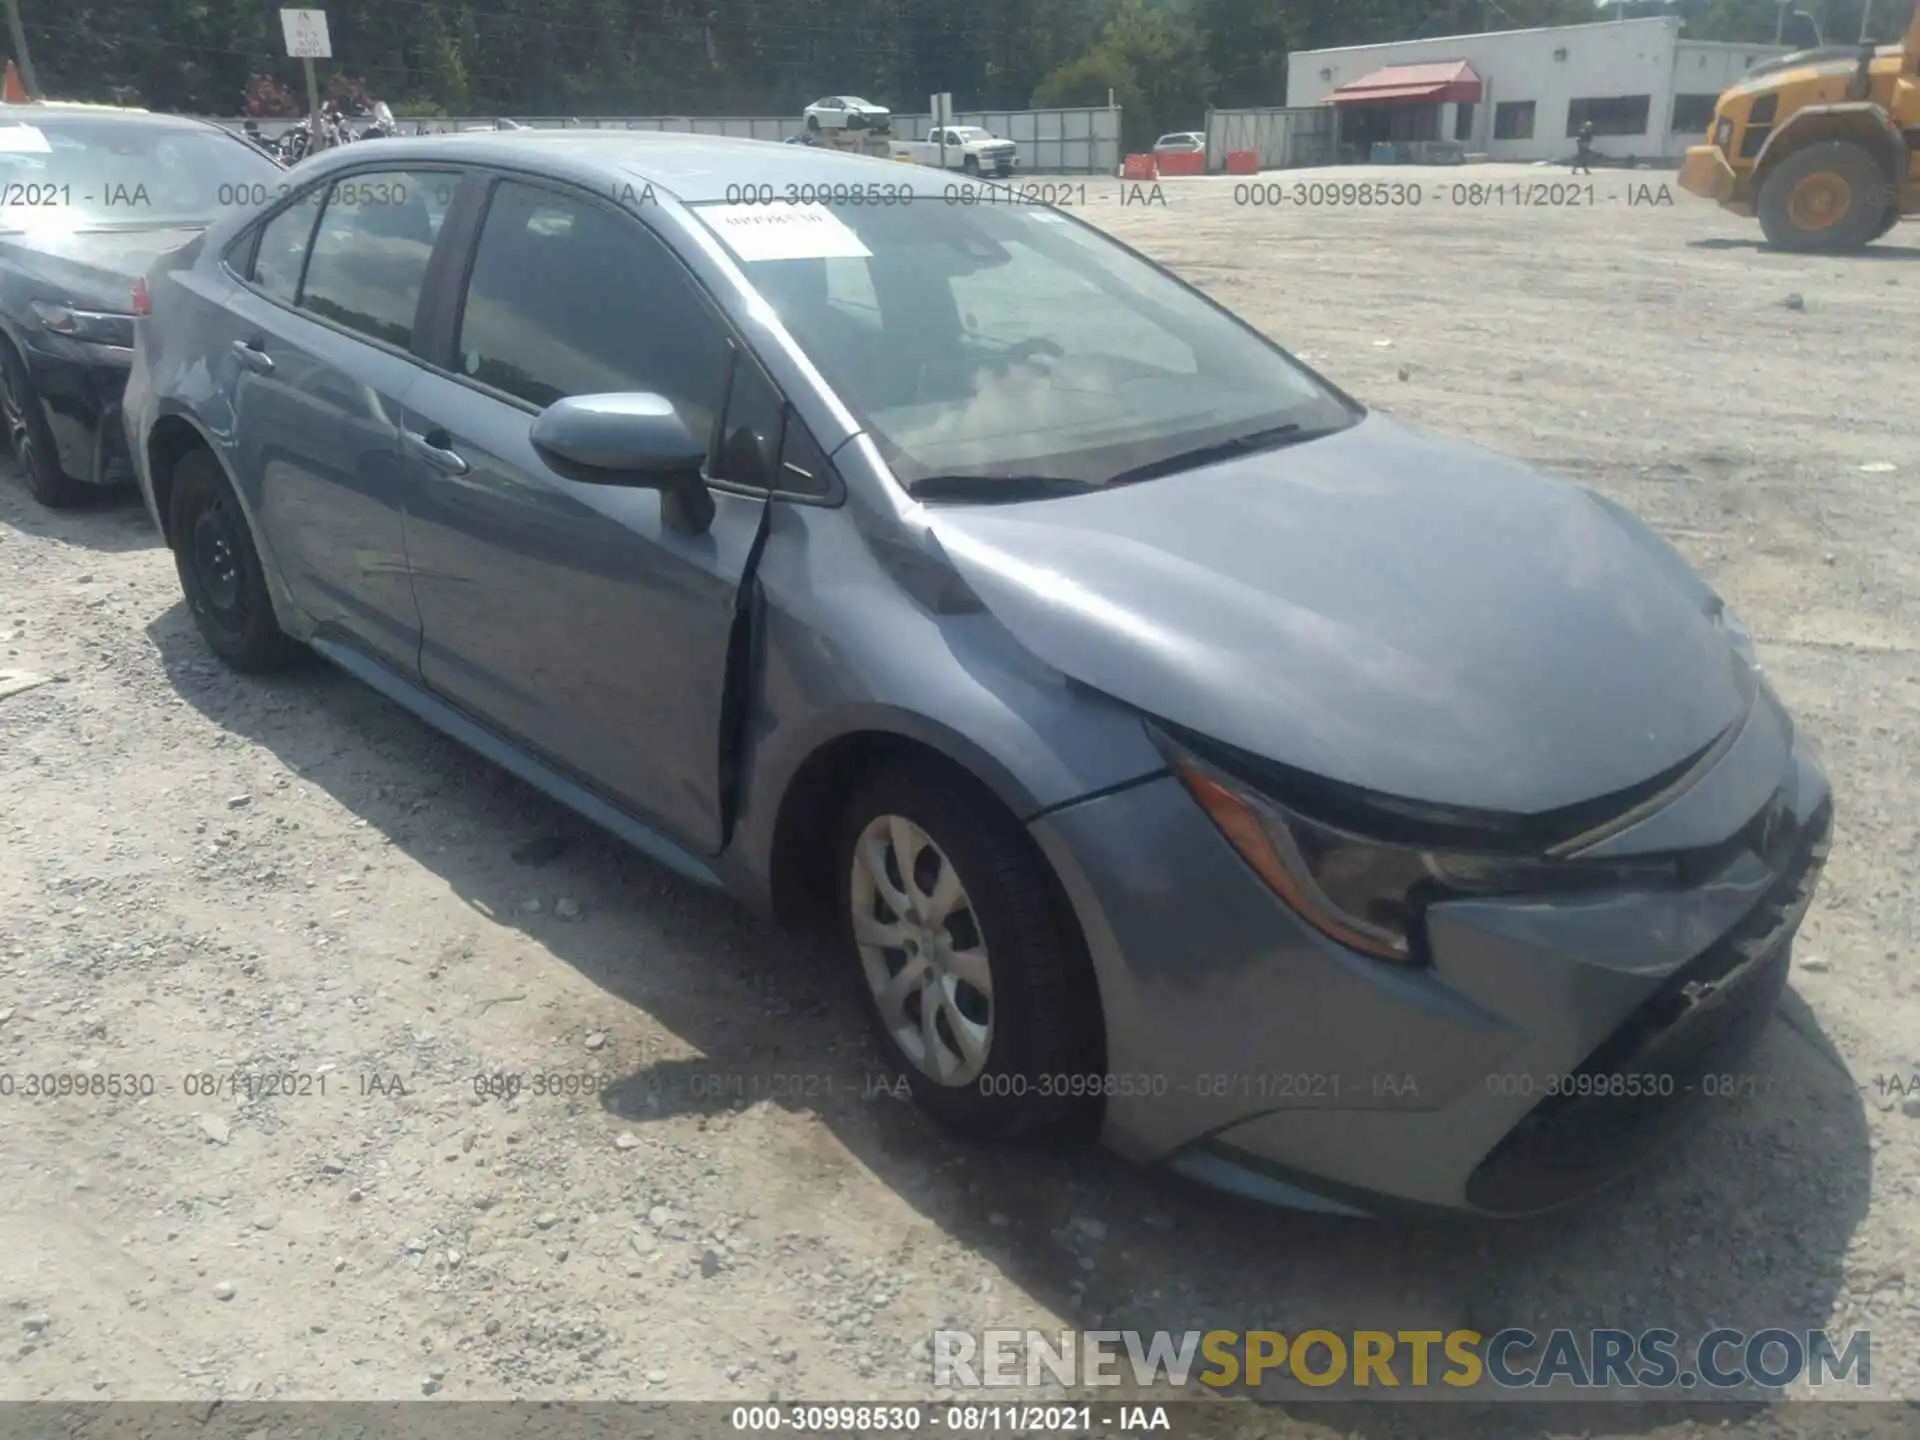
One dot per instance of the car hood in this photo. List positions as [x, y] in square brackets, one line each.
[1382, 607]
[94, 268]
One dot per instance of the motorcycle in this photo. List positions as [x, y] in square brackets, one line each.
[299, 141]
[383, 123]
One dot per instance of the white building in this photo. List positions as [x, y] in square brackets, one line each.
[1524, 94]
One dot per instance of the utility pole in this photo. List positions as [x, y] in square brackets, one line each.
[1780, 22]
[1866, 20]
[19, 32]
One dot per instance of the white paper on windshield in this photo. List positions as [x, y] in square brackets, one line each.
[784, 232]
[23, 140]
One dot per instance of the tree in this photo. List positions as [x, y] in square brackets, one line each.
[1089, 81]
[1244, 46]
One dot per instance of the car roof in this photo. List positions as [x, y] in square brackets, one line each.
[694, 169]
[48, 114]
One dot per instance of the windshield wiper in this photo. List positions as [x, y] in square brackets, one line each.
[1269, 439]
[987, 489]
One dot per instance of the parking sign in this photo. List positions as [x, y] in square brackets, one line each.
[306, 32]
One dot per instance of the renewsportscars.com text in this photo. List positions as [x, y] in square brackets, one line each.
[1514, 1358]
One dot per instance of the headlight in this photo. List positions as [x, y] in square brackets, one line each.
[1365, 893]
[99, 327]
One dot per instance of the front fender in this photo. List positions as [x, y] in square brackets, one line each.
[841, 650]
[1860, 120]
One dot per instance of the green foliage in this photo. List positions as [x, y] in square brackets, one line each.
[1165, 60]
[1090, 80]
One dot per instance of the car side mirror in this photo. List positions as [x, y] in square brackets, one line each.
[632, 440]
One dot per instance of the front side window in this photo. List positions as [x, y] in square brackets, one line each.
[998, 341]
[569, 298]
[370, 252]
[749, 451]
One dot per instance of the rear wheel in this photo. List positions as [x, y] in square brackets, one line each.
[220, 571]
[1825, 199]
[972, 976]
[31, 440]
[1887, 222]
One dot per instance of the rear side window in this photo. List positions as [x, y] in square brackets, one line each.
[570, 298]
[282, 253]
[370, 253]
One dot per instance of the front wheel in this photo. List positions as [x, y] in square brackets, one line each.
[971, 974]
[813, 123]
[1826, 199]
[220, 571]
[971, 165]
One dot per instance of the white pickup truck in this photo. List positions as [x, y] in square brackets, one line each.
[966, 147]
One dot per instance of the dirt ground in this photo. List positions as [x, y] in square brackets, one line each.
[202, 875]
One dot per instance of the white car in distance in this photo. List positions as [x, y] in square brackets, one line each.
[848, 112]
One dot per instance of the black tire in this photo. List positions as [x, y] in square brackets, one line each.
[813, 122]
[970, 165]
[1044, 1019]
[1843, 175]
[30, 439]
[219, 569]
[1887, 222]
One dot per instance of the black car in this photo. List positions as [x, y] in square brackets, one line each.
[90, 197]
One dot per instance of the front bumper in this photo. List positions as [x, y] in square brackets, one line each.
[1706, 172]
[80, 387]
[1249, 1052]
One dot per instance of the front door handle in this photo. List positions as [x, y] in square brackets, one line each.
[433, 447]
[253, 356]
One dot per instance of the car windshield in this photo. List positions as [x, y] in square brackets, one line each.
[83, 173]
[998, 342]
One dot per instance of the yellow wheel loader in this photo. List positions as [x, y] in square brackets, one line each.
[1822, 146]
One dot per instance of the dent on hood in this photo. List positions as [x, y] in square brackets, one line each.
[1402, 613]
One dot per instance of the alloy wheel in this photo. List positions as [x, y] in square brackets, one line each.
[922, 951]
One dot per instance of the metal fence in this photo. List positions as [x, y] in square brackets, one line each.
[1285, 138]
[1050, 141]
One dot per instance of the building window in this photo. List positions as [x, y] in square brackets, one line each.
[1463, 122]
[1611, 115]
[1692, 114]
[1513, 120]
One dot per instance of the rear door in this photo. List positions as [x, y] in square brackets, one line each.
[319, 353]
[573, 616]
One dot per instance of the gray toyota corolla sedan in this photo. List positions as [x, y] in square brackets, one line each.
[1335, 813]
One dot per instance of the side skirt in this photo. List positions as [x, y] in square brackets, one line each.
[537, 773]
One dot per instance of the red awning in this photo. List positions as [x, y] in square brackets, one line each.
[1447, 81]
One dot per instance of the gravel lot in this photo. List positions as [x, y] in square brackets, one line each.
[201, 874]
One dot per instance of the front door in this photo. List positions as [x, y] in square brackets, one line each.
[573, 616]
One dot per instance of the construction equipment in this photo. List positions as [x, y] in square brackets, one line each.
[1823, 146]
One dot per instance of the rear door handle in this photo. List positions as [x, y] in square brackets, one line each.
[253, 356]
[433, 448]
